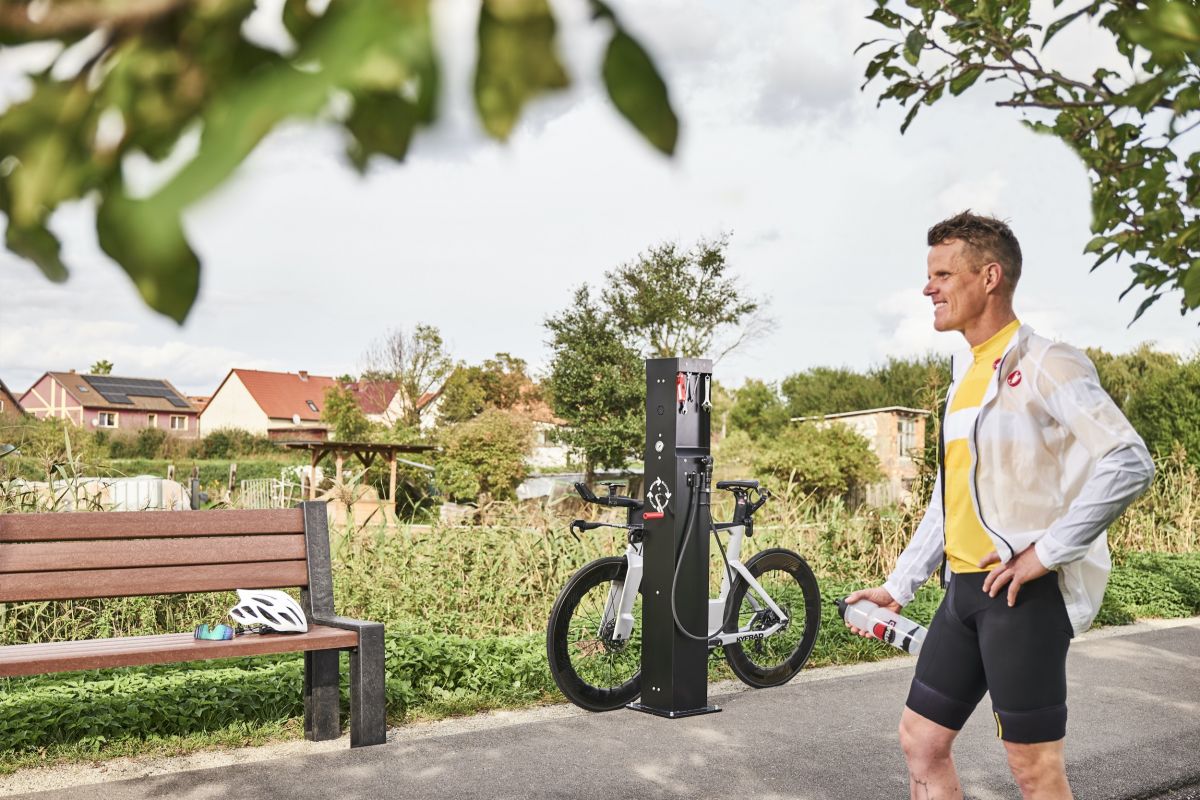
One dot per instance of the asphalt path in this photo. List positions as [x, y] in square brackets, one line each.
[1133, 732]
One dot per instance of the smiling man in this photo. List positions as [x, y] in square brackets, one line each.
[1036, 462]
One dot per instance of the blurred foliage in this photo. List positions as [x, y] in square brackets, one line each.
[1127, 128]
[155, 78]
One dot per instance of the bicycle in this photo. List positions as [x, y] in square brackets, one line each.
[765, 616]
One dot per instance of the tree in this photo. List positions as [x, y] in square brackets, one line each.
[342, 411]
[485, 455]
[417, 361]
[830, 390]
[672, 302]
[819, 461]
[501, 382]
[101, 367]
[757, 409]
[596, 383]
[1127, 128]
[1165, 410]
[153, 72]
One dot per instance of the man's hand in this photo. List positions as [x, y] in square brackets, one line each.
[880, 597]
[1020, 570]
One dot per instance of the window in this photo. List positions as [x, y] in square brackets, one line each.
[178, 422]
[906, 430]
[311, 406]
[106, 419]
[1, 403]
[152, 420]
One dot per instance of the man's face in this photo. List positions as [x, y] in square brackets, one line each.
[959, 295]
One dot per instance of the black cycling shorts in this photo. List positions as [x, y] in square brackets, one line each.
[977, 643]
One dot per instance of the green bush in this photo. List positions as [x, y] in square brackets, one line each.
[233, 443]
[484, 454]
[819, 461]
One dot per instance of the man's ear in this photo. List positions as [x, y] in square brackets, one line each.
[995, 276]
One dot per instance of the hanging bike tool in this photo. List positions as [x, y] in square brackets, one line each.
[678, 456]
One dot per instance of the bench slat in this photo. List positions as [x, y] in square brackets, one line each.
[62, 585]
[120, 553]
[133, 651]
[66, 526]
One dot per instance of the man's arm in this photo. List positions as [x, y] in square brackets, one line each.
[1071, 390]
[923, 553]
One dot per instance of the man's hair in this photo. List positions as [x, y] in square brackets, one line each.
[984, 239]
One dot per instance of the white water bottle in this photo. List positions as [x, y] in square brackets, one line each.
[886, 626]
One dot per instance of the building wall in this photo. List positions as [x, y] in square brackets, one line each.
[47, 398]
[234, 407]
[135, 419]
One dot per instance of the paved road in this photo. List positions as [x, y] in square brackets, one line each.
[1134, 732]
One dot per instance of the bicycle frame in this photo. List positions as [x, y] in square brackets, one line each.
[618, 610]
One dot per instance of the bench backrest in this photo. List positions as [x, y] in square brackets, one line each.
[79, 555]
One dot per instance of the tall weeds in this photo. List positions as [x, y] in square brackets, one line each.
[501, 577]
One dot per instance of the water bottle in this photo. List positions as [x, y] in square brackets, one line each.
[886, 626]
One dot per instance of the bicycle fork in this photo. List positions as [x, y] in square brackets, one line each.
[618, 611]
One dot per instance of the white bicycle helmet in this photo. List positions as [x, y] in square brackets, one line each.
[271, 609]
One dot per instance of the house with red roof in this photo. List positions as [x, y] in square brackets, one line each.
[281, 405]
[113, 403]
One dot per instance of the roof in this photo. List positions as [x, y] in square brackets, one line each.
[282, 395]
[373, 397]
[121, 393]
[920, 412]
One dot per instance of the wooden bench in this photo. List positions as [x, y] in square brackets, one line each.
[75, 556]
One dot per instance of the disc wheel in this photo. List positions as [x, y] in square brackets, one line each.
[773, 660]
[592, 669]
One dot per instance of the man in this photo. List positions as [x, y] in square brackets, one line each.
[1035, 463]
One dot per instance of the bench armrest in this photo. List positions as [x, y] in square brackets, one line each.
[346, 623]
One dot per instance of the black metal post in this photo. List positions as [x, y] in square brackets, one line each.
[674, 665]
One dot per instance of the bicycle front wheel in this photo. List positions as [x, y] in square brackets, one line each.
[773, 660]
[592, 669]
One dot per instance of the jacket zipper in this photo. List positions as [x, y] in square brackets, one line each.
[975, 466]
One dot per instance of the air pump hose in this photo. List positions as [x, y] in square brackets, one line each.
[693, 503]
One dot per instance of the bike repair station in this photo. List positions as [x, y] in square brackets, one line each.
[768, 611]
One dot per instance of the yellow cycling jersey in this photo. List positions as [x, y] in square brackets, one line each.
[966, 540]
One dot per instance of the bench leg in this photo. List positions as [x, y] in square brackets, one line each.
[321, 695]
[368, 702]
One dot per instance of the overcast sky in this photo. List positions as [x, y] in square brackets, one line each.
[305, 262]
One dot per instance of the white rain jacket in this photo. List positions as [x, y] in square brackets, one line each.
[1054, 462]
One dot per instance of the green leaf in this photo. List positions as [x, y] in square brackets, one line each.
[382, 122]
[912, 46]
[963, 80]
[1096, 244]
[639, 93]
[40, 246]
[150, 246]
[1189, 281]
[1149, 301]
[517, 61]
[1054, 27]
[1166, 27]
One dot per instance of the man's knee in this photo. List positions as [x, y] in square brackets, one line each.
[924, 742]
[1037, 767]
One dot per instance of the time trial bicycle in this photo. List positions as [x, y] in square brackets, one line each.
[765, 616]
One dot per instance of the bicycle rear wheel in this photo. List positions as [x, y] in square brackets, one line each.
[775, 659]
[592, 669]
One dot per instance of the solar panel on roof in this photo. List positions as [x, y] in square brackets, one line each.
[118, 390]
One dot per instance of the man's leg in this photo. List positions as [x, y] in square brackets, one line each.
[926, 744]
[1040, 770]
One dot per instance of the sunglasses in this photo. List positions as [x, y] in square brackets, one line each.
[214, 632]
